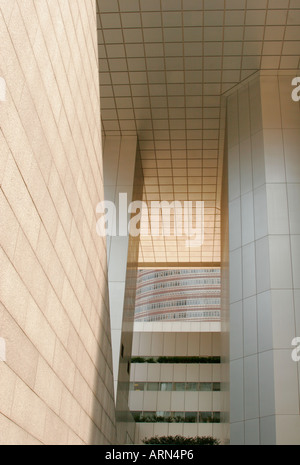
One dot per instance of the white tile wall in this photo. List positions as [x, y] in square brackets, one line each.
[252, 432]
[295, 254]
[293, 192]
[236, 328]
[264, 257]
[250, 326]
[251, 387]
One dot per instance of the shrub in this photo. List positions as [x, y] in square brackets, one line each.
[182, 441]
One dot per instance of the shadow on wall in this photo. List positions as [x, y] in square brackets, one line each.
[125, 421]
[103, 431]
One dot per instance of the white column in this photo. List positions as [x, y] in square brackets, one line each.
[119, 169]
[264, 251]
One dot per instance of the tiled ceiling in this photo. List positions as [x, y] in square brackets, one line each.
[164, 65]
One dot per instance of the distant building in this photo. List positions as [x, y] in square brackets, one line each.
[181, 294]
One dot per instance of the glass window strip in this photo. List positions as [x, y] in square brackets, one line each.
[175, 386]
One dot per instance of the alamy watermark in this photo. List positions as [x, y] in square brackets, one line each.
[179, 219]
[296, 91]
[296, 352]
[2, 90]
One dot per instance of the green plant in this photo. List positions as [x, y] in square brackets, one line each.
[182, 441]
[174, 359]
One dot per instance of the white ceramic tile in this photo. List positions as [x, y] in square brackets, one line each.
[252, 432]
[144, 349]
[246, 166]
[111, 148]
[205, 373]
[294, 211]
[177, 401]
[280, 262]
[237, 434]
[297, 314]
[283, 318]
[157, 345]
[251, 387]
[295, 252]
[205, 399]
[232, 112]
[150, 401]
[286, 383]
[266, 384]
[278, 219]
[287, 427]
[191, 402]
[137, 401]
[205, 344]
[258, 160]
[237, 391]
[264, 322]
[250, 326]
[260, 212]
[235, 232]
[244, 114]
[274, 156]
[117, 293]
[164, 401]
[291, 143]
[247, 213]
[233, 173]
[166, 372]
[249, 275]
[236, 287]
[169, 344]
[268, 431]
[255, 107]
[236, 330]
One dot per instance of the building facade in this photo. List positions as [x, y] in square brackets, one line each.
[175, 389]
[189, 295]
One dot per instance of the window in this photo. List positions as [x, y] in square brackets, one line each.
[153, 386]
[179, 417]
[191, 417]
[164, 417]
[205, 417]
[217, 417]
[192, 386]
[166, 386]
[205, 387]
[179, 386]
[138, 386]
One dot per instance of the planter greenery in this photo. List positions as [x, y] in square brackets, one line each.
[213, 360]
[182, 441]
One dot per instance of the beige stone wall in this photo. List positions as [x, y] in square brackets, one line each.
[56, 386]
